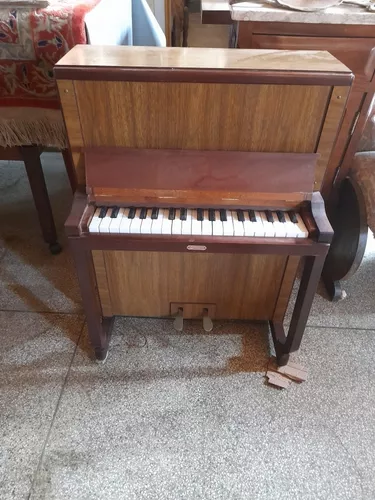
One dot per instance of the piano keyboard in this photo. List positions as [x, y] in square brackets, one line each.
[198, 222]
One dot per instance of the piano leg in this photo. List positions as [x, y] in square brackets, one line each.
[286, 344]
[99, 328]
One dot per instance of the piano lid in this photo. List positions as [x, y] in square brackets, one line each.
[86, 62]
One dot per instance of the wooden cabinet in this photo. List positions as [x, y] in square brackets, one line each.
[352, 45]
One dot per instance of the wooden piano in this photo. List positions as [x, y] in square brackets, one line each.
[199, 174]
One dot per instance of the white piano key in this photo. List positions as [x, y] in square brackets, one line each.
[186, 224]
[228, 229]
[206, 224]
[157, 224]
[238, 226]
[95, 222]
[106, 222]
[177, 223]
[280, 227]
[196, 225]
[217, 225]
[147, 223]
[269, 230]
[166, 227]
[125, 222]
[259, 229]
[291, 228]
[302, 231]
[114, 226]
[249, 227]
[135, 226]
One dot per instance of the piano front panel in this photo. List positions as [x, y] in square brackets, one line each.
[146, 283]
[263, 118]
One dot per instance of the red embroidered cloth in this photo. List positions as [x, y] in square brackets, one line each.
[31, 42]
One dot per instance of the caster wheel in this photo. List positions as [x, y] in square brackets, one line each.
[55, 248]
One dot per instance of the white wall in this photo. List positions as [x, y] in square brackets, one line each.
[157, 7]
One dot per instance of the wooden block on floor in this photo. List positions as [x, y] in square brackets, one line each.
[278, 380]
[294, 371]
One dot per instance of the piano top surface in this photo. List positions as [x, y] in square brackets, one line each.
[201, 58]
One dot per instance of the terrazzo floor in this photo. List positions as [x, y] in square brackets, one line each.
[171, 416]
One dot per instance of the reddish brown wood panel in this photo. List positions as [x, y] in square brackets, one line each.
[310, 29]
[225, 171]
[354, 52]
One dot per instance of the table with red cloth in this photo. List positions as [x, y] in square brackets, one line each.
[31, 42]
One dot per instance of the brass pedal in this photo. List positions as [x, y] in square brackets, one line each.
[178, 323]
[207, 321]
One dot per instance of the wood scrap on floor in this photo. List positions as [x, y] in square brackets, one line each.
[282, 376]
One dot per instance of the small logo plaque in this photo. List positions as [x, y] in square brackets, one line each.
[197, 248]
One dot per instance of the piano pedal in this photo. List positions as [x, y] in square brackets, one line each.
[178, 323]
[207, 321]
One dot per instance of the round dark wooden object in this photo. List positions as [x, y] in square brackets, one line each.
[349, 222]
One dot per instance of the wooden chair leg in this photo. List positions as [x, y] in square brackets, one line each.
[31, 158]
[69, 165]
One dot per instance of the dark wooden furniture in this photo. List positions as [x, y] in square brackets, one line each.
[188, 128]
[354, 45]
[30, 155]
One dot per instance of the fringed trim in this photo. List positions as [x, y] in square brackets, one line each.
[40, 131]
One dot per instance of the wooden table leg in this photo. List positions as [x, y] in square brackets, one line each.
[31, 158]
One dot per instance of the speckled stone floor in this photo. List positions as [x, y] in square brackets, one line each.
[171, 416]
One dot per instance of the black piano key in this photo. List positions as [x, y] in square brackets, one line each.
[211, 214]
[131, 213]
[252, 216]
[269, 215]
[280, 216]
[223, 215]
[293, 217]
[200, 214]
[102, 213]
[143, 213]
[240, 216]
[155, 213]
[172, 214]
[183, 213]
[115, 211]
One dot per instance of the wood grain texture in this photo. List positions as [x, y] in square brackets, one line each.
[102, 283]
[86, 56]
[167, 21]
[331, 127]
[353, 107]
[181, 170]
[73, 126]
[286, 288]
[309, 29]
[353, 52]
[146, 283]
[202, 116]
[198, 199]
